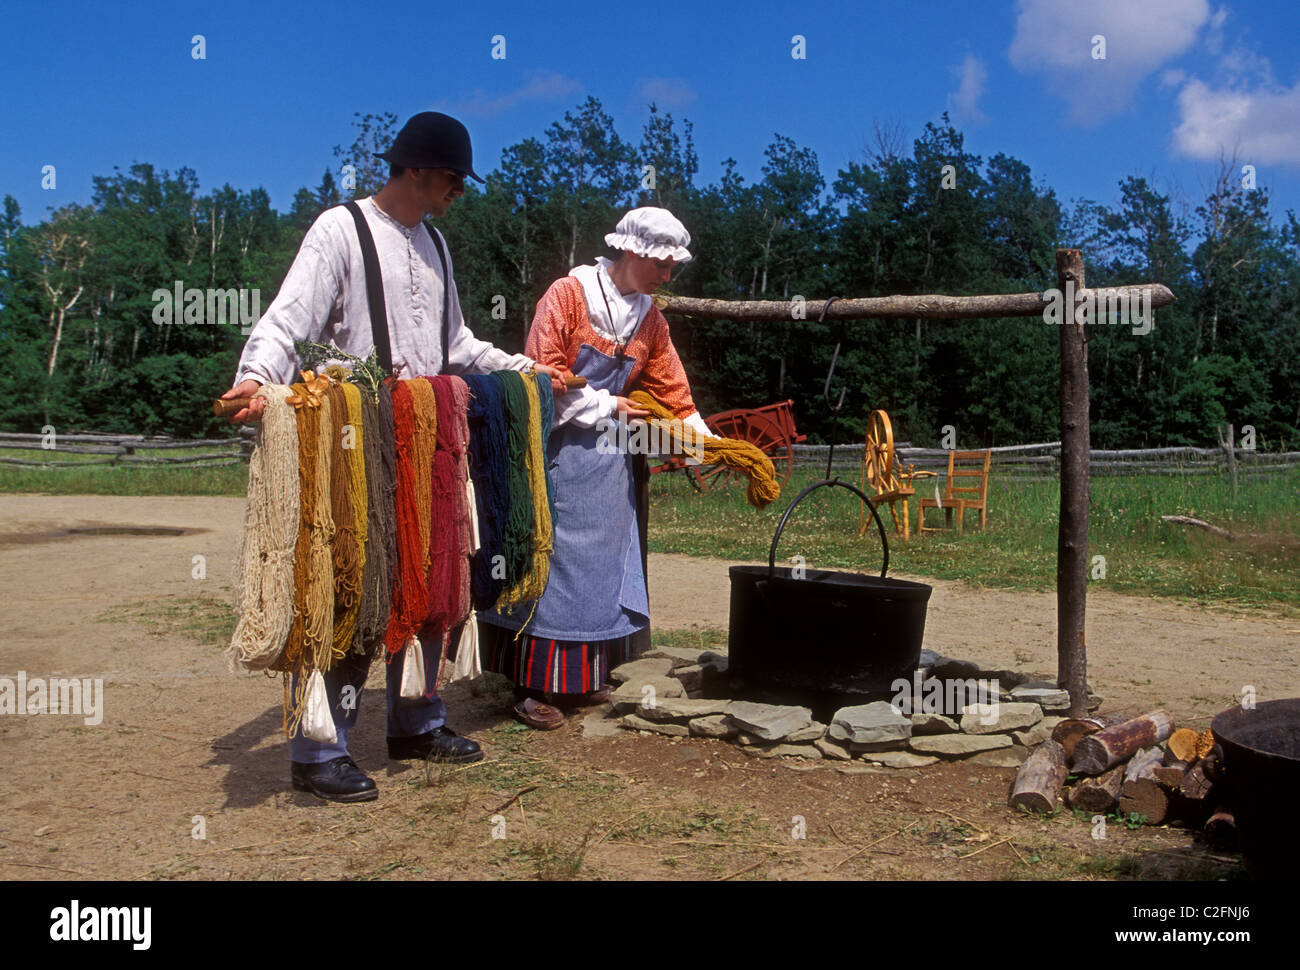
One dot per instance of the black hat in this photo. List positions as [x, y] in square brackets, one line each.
[432, 140]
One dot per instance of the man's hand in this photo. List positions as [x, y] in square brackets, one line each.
[557, 378]
[255, 408]
[629, 409]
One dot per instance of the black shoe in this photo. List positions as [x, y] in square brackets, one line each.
[339, 780]
[440, 744]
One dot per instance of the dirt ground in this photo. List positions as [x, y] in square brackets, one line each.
[187, 748]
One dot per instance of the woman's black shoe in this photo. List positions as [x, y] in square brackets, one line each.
[339, 780]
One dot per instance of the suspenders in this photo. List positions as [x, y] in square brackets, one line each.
[375, 290]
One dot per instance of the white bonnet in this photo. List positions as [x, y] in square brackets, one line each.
[651, 232]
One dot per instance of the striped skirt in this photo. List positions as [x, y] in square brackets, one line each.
[551, 666]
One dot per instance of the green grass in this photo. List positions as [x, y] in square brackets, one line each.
[122, 479]
[205, 619]
[1142, 554]
[1018, 551]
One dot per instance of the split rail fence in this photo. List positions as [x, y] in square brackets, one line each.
[1043, 461]
[84, 450]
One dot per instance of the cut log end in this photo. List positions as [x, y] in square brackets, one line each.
[1144, 797]
[1182, 744]
[1097, 795]
[1039, 782]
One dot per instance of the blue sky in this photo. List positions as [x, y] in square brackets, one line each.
[90, 86]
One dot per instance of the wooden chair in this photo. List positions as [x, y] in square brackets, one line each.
[960, 498]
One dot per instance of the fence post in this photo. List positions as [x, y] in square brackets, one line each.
[1072, 540]
[1228, 445]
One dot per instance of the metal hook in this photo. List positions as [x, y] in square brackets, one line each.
[826, 389]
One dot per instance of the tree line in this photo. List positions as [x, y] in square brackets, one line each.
[84, 346]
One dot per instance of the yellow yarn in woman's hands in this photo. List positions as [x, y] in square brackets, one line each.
[763, 486]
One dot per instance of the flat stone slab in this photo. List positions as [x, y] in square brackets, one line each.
[1005, 758]
[631, 694]
[641, 669]
[713, 726]
[995, 719]
[933, 724]
[958, 745]
[1032, 736]
[692, 678]
[599, 726]
[658, 727]
[1048, 698]
[812, 732]
[898, 744]
[680, 656]
[770, 722]
[681, 708]
[870, 723]
[900, 759]
[833, 749]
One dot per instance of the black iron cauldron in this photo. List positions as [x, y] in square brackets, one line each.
[819, 638]
[1261, 770]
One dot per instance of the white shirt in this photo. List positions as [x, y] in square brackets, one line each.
[323, 300]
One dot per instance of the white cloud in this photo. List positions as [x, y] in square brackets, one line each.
[1055, 38]
[542, 86]
[964, 102]
[1260, 126]
[665, 92]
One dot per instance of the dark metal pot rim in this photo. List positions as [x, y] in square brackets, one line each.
[1236, 728]
[782, 577]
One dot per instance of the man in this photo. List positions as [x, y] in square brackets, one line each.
[324, 300]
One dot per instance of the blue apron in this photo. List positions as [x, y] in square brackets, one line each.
[597, 588]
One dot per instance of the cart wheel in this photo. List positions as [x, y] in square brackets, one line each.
[759, 430]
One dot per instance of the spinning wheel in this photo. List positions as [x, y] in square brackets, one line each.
[878, 459]
[879, 476]
[760, 430]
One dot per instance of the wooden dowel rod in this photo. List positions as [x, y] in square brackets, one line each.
[225, 407]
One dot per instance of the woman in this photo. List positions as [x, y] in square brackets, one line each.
[600, 323]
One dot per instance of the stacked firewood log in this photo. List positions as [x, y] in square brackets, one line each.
[1120, 766]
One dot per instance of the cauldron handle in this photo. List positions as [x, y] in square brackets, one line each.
[884, 540]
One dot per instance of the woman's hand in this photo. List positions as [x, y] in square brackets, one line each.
[630, 409]
[253, 412]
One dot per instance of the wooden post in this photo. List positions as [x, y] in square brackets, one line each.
[1229, 447]
[1072, 540]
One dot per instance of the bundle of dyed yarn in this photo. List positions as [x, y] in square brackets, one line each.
[359, 532]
